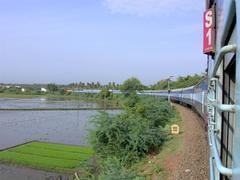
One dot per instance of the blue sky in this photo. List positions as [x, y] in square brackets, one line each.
[65, 41]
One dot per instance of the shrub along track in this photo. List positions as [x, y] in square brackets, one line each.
[191, 163]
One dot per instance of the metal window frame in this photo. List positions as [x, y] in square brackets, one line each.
[236, 147]
[215, 105]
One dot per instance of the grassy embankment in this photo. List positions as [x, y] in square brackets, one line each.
[19, 96]
[61, 109]
[47, 156]
[114, 102]
[48, 95]
[155, 166]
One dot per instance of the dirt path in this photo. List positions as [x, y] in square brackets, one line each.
[191, 163]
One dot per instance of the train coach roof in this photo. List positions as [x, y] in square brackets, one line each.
[155, 91]
[188, 88]
[183, 89]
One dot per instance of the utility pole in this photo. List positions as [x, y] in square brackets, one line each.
[169, 90]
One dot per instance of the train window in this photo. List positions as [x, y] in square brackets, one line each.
[227, 117]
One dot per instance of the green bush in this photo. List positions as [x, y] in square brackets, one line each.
[105, 94]
[132, 134]
[131, 100]
[123, 139]
[159, 112]
[108, 169]
[1, 90]
[131, 85]
[114, 170]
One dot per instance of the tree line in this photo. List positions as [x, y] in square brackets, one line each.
[180, 82]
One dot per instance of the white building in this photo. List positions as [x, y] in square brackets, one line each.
[43, 90]
[69, 90]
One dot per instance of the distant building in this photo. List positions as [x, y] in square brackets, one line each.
[68, 90]
[43, 90]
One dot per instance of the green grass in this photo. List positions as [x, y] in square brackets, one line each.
[61, 109]
[154, 165]
[29, 96]
[17, 96]
[47, 156]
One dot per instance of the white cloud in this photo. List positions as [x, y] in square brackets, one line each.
[153, 7]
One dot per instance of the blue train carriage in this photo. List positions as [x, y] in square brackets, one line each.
[176, 95]
[183, 95]
[158, 93]
[199, 102]
[221, 44]
[187, 95]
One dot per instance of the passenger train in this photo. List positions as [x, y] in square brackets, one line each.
[194, 97]
[217, 97]
[223, 90]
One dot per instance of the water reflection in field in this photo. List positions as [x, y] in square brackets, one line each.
[43, 103]
[68, 127]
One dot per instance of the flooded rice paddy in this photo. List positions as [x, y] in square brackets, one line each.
[67, 127]
[43, 103]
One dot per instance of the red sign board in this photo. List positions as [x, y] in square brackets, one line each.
[209, 31]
